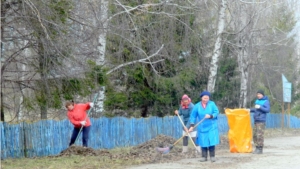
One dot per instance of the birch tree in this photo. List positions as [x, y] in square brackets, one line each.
[217, 48]
[252, 39]
[245, 20]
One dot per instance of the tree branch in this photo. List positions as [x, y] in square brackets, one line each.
[137, 61]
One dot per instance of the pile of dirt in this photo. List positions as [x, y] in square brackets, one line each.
[145, 152]
[159, 141]
[78, 150]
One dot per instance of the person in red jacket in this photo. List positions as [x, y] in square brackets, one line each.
[78, 117]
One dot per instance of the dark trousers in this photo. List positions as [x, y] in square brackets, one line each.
[185, 140]
[210, 149]
[85, 135]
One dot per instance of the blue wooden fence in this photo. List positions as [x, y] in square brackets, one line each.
[50, 137]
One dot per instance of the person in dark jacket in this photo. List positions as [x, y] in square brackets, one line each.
[260, 110]
[185, 109]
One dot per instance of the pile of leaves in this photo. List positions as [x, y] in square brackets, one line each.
[146, 152]
[83, 151]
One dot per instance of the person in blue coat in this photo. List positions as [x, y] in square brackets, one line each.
[260, 110]
[185, 110]
[207, 131]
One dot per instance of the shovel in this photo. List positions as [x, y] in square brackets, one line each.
[166, 150]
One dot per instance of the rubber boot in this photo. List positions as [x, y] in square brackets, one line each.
[204, 155]
[258, 150]
[212, 155]
[184, 149]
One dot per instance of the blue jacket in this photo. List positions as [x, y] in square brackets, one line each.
[207, 131]
[185, 113]
[260, 114]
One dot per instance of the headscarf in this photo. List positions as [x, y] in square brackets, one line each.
[183, 98]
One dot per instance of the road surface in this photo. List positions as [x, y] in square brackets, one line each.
[279, 153]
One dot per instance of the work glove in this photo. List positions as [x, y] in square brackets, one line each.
[176, 112]
[91, 105]
[191, 129]
[83, 123]
[257, 106]
[208, 116]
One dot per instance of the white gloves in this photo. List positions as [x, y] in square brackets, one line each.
[83, 123]
[176, 112]
[257, 106]
[91, 105]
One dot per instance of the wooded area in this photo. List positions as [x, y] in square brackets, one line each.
[143, 55]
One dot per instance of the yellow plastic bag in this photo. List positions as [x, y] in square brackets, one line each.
[240, 131]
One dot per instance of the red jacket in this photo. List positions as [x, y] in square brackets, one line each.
[79, 114]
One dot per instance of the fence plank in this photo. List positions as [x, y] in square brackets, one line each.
[223, 124]
[3, 143]
[13, 142]
[49, 137]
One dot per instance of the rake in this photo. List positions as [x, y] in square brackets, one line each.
[187, 132]
[86, 117]
[166, 150]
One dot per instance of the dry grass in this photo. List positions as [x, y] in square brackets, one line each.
[70, 162]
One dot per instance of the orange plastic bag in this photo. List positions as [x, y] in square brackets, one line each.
[240, 130]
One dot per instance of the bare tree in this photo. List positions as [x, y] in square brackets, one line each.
[35, 43]
[252, 40]
[217, 49]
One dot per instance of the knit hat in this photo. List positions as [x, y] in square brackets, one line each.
[204, 93]
[261, 92]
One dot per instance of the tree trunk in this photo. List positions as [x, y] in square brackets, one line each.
[43, 111]
[243, 68]
[27, 54]
[1, 73]
[217, 49]
[43, 92]
[43, 97]
[103, 15]
[2, 110]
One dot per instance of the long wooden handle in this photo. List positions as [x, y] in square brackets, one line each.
[179, 139]
[86, 116]
[186, 133]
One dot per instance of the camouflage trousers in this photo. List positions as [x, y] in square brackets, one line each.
[258, 134]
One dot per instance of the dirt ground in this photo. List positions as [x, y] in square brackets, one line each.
[146, 152]
[281, 151]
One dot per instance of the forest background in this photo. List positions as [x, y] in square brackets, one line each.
[140, 56]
